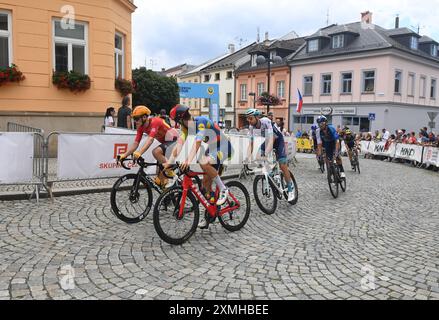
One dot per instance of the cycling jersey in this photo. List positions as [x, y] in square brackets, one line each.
[159, 130]
[328, 140]
[349, 140]
[268, 130]
[219, 146]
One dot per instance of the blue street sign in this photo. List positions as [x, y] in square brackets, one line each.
[372, 116]
[198, 90]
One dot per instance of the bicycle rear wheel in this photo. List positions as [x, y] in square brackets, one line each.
[235, 220]
[285, 188]
[129, 203]
[333, 183]
[168, 226]
[341, 181]
[265, 195]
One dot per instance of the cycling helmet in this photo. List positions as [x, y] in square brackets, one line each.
[253, 112]
[178, 112]
[141, 111]
[321, 119]
[347, 131]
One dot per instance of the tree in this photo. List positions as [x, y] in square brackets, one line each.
[155, 91]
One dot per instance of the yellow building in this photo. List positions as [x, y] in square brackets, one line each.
[92, 37]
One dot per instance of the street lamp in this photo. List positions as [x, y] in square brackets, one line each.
[253, 94]
[261, 60]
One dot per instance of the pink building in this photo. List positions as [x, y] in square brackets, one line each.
[360, 71]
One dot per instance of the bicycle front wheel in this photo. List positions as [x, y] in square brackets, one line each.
[333, 183]
[265, 195]
[129, 202]
[168, 225]
[236, 220]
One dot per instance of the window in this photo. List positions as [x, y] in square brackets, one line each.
[217, 77]
[119, 55]
[281, 89]
[411, 85]
[70, 47]
[254, 57]
[243, 92]
[398, 78]
[196, 104]
[228, 124]
[414, 43]
[433, 89]
[346, 82]
[261, 88]
[228, 99]
[229, 75]
[313, 45]
[307, 85]
[368, 81]
[422, 87]
[206, 78]
[433, 50]
[326, 83]
[5, 39]
[338, 41]
[304, 119]
[206, 103]
[347, 121]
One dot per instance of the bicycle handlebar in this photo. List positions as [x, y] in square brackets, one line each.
[141, 162]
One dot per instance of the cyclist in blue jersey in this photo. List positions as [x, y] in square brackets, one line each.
[274, 140]
[328, 138]
[219, 148]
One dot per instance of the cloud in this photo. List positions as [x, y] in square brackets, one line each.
[172, 32]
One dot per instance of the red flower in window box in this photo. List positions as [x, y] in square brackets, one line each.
[267, 99]
[74, 81]
[11, 74]
[124, 86]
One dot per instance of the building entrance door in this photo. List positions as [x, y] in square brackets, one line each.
[364, 125]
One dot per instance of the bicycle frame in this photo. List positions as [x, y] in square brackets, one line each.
[271, 181]
[212, 209]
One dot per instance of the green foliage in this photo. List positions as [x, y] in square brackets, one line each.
[155, 91]
[124, 86]
[72, 80]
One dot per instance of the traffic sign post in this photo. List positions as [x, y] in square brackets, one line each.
[372, 116]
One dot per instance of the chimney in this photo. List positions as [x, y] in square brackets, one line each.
[266, 36]
[366, 17]
[231, 48]
[397, 22]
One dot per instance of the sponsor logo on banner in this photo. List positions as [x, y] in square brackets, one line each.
[120, 148]
[380, 148]
[407, 152]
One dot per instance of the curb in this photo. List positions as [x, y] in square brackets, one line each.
[11, 196]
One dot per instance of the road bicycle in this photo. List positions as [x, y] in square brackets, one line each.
[334, 178]
[355, 160]
[269, 186]
[178, 222]
[321, 162]
[131, 196]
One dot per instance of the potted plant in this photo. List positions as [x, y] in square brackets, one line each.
[11, 74]
[267, 99]
[125, 87]
[74, 81]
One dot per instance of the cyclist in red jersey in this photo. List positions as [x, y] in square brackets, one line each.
[155, 128]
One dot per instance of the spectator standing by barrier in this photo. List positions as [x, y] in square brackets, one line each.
[386, 135]
[124, 114]
[109, 117]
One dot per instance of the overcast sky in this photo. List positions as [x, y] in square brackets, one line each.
[172, 32]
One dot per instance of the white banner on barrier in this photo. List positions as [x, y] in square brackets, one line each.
[364, 146]
[409, 152]
[380, 149]
[85, 156]
[431, 156]
[16, 163]
[115, 130]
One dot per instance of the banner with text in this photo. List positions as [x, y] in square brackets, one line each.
[431, 156]
[409, 152]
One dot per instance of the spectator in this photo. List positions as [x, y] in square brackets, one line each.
[124, 114]
[422, 138]
[299, 134]
[432, 139]
[386, 135]
[270, 116]
[109, 117]
[405, 139]
[378, 136]
[369, 136]
[399, 135]
[412, 138]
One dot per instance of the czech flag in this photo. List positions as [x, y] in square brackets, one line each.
[299, 102]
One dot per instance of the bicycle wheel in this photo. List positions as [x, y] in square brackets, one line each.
[333, 183]
[265, 195]
[236, 220]
[168, 226]
[342, 182]
[285, 188]
[357, 165]
[322, 166]
[128, 203]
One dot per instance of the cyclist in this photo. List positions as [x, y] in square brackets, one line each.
[314, 139]
[327, 137]
[273, 140]
[155, 128]
[351, 144]
[219, 149]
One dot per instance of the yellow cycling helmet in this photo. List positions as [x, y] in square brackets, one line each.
[141, 111]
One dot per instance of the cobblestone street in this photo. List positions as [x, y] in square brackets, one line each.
[379, 240]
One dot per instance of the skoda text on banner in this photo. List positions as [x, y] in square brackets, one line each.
[83, 156]
[16, 163]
